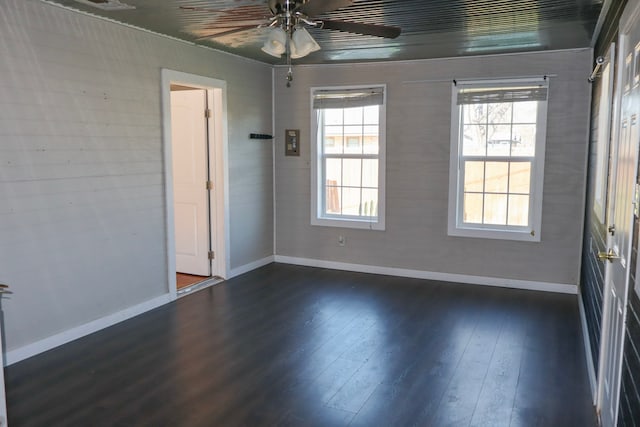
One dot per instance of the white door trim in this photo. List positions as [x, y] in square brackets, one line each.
[220, 170]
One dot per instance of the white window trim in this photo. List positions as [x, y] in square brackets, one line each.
[455, 226]
[316, 205]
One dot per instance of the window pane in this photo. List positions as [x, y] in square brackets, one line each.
[370, 145]
[520, 177]
[333, 144]
[370, 173]
[353, 130]
[474, 114]
[499, 113]
[353, 139]
[353, 116]
[474, 176]
[369, 203]
[352, 142]
[497, 177]
[628, 71]
[525, 137]
[351, 172]
[333, 172]
[519, 210]
[473, 208]
[372, 115]
[332, 200]
[332, 116]
[525, 112]
[350, 201]
[474, 140]
[499, 140]
[333, 139]
[370, 139]
[495, 209]
[371, 131]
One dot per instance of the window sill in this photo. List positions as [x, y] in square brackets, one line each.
[488, 233]
[349, 223]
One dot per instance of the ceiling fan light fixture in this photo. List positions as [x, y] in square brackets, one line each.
[276, 43]
[110, 5]
[302, 44]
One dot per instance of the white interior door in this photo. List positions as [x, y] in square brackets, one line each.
[625, 161]
[3, 401]
[190, 176]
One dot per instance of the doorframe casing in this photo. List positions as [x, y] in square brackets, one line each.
[219, 206]
[629, 16]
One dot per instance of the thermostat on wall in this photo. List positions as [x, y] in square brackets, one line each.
[292, 142]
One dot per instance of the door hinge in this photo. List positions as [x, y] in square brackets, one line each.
[207, 113]
[209, 185]
[212, 255]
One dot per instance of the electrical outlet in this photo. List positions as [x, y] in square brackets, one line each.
[341, 240]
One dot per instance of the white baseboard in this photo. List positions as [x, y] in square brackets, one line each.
[72, 334]
[429, 275]
[591, 369]
[251, 266]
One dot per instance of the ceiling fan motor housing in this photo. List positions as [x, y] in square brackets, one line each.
[281, 6]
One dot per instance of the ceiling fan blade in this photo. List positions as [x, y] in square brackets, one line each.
[202, 9]
[385, 31]
[318, 7]
[226, 33]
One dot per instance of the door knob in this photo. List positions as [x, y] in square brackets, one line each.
[607, 256]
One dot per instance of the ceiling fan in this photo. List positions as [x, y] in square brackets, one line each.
[288, 21]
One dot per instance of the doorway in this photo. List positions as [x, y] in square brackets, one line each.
[196, 173]
[622, 208]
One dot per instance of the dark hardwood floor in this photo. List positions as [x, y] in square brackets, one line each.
[297, 346]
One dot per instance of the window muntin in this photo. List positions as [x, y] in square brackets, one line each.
[497, 154]
[349, 161]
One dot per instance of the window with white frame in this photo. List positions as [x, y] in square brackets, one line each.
[348, 163]
[497, 158]
[603, 136]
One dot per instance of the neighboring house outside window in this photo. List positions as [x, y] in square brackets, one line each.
[497, 158]
[348, 161]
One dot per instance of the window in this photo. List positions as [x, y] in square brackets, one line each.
[348, 164]
[497, 159]
[603, 136]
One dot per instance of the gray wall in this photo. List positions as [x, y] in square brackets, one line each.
[82, 227]
[418, 140]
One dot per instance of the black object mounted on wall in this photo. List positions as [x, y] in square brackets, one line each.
[260, 136]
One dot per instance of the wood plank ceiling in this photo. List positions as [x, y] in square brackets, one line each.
[430, 28]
